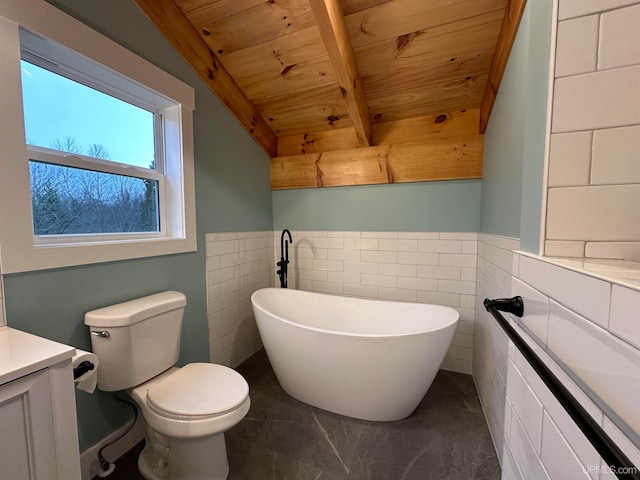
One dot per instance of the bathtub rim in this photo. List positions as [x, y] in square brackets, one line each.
[444, 326]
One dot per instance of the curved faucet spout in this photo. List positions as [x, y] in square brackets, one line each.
[286, 245]
[284, 257]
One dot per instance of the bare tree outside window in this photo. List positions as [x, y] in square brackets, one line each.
[68, 200]
[67, 144]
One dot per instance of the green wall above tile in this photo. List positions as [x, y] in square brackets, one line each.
[452, 206]
[515, 139]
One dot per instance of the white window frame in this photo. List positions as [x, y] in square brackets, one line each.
[42, 29]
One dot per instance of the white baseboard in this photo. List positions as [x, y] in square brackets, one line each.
[89, 464]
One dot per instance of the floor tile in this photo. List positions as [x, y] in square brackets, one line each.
[281, 438]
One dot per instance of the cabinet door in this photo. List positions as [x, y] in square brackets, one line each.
[26, 423]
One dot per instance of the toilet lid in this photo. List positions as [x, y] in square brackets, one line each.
[198, 389]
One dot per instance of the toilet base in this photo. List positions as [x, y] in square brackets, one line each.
[185, 459]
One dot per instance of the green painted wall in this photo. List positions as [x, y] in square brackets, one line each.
[504, 144]
[514, 142]
[232, 193]
[536, 124]
[452, 206]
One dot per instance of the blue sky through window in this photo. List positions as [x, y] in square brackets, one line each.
[56, 107]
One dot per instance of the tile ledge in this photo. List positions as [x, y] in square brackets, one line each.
[619, 272]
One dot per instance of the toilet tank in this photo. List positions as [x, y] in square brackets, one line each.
[136, 340]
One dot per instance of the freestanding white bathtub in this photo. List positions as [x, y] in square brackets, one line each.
[367, 359]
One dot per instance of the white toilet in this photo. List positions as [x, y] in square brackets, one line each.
[186, 410]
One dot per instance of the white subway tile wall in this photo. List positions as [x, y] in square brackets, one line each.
[495, 267]
[619, 45]
[599, 344]
[238, 264]
[570, 159]
[594, 172]
[565, 248]
[596, 100]
[630, 251]
[577, 50]
[536, 318]
[579, 8]
[587, 295]
[625, 310]
[602, 213]
[426, 267]
[607, 365]
[615, 156]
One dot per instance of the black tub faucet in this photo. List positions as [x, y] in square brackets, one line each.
[284, 258]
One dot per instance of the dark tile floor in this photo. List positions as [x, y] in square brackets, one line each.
[283, 439]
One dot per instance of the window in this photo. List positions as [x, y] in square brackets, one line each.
[99, 174]
[102, 167]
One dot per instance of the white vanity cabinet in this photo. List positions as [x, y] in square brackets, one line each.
[38, 428]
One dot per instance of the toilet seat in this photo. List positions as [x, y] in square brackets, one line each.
[198, 391]
[188, 403]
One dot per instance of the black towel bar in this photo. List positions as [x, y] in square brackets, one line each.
[606, 448]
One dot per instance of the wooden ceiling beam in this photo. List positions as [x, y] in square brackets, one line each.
[406, 19]
[451, 159]
[317, 142]
[429, 128]
[175, 26]
[333, 30]
[507, 36]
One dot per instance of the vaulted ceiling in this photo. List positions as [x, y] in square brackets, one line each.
[354, 91]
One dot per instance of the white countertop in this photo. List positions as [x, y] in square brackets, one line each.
[22, 353]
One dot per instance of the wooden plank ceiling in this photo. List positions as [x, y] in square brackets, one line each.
[351, 92]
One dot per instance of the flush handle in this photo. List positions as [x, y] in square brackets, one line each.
[100, 333]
